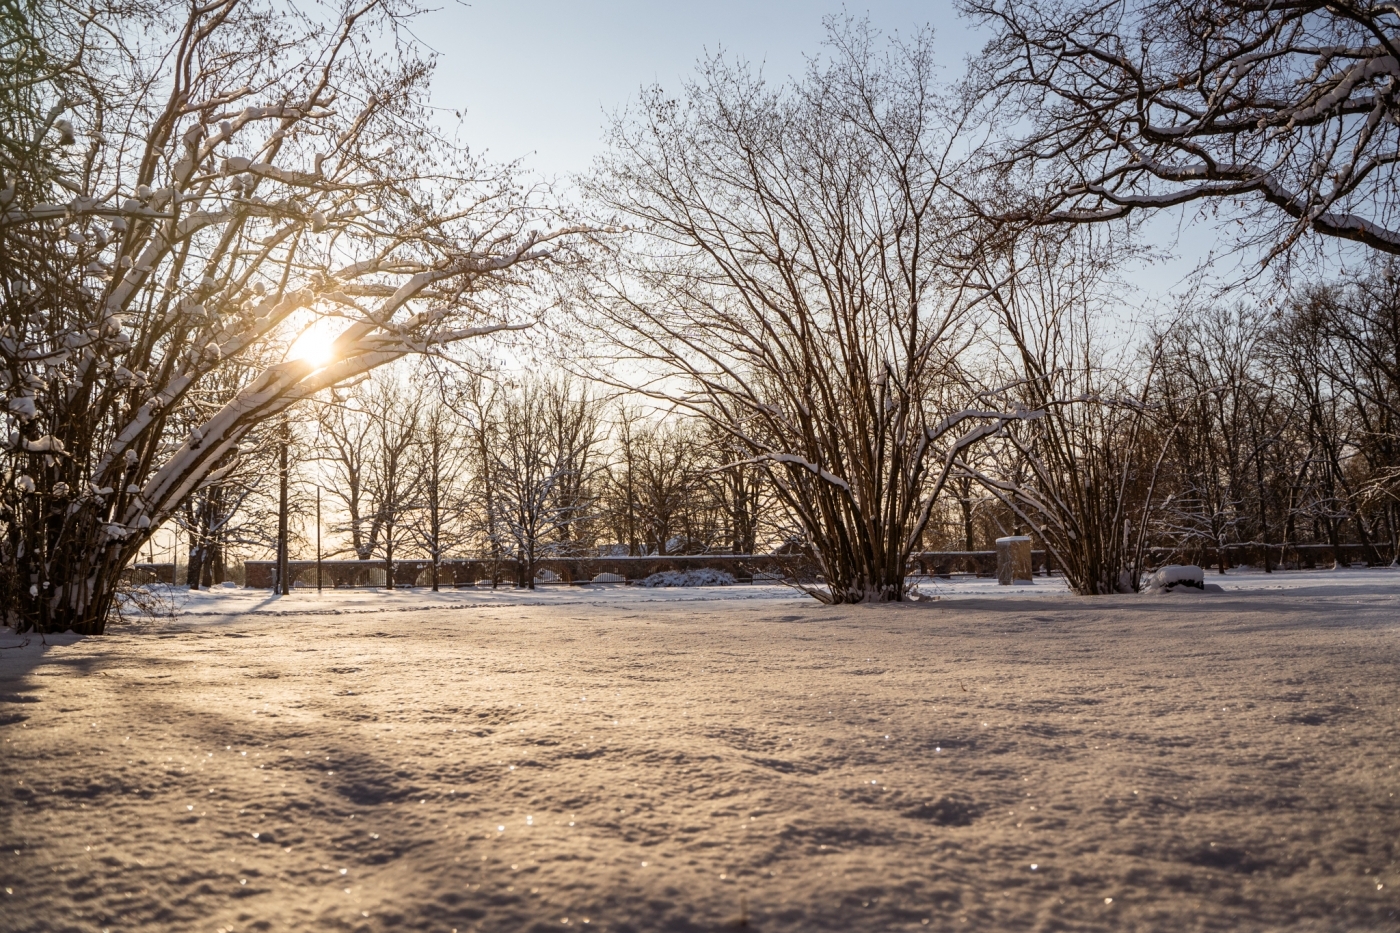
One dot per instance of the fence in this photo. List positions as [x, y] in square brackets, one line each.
[470, 572]
[143, 573]
[1283, 556]
[456, 572]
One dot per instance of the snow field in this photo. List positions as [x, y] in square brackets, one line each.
[684, 760]
[237, 601]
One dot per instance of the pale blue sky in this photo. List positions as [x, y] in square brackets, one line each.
[536, 79]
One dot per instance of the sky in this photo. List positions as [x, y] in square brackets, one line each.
[537, 80]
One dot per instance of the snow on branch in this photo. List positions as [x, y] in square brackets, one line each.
[182, 232]
[1286, 109]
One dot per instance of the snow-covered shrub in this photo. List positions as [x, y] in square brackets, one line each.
[544, 575]
[1174, 576]
[703, 577]
[609, 578]
[165, 245]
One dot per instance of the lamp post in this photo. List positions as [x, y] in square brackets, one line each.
[284, 585]
[318, 540]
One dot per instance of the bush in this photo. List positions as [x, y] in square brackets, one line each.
[689, 578]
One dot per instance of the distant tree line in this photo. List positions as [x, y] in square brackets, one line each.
[503, 470]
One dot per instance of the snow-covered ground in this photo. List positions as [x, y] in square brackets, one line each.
[617, 758]
[222, 601]
[233, 600]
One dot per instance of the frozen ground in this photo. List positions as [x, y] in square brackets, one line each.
[705, 759]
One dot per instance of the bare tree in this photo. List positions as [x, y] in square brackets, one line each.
[1214, 396]
[542, 445]
[674, 483]
[791, 275]
[620, 479]
[392, 406]
[440, 453]
[345, 449]
[665, 482]
[1081, 476]
[209, 517]
[964, 485]
[571, 418]
[1287, 110]
[239, 513]
[736, 488]
[200, 194]
[366, 444]
[477, 404]
[1337, 347]
[1360, 320]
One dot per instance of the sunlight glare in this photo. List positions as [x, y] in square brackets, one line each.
[314, 345]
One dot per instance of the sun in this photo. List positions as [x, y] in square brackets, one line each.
[315, 344]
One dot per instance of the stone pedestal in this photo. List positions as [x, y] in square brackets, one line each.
[1013, 560]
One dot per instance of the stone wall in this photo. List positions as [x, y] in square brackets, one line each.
[579, 570]
[143, 573]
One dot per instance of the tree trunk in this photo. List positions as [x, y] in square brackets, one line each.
[196, 564]
[76, 588]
